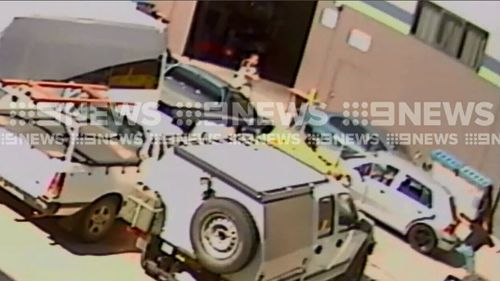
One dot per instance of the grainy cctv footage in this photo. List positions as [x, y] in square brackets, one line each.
[249, 140]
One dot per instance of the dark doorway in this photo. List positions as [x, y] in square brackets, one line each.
[224, 32]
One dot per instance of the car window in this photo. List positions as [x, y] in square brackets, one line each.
[180, 74]
[389, 174]
[196, 82]
[377, 172]
[382, 173]
[347, 210]
[364, 170]
[325, 216]
[416, 191]
[2, 93]
[142, 74]
[367, 139]
[210, 91]
[240, 106]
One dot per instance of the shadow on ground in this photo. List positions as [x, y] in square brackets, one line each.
[117, 242]
[5, 277]
[453, 259]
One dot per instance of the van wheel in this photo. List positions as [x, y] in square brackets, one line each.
[223, 235]
[422, 238]
[97, 219]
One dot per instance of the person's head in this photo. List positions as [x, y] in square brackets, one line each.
[253, 59]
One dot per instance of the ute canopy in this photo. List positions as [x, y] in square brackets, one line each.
[64, 49]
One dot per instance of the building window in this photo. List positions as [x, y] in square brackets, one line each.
[450, 33]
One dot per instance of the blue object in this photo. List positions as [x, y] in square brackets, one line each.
[466, 172]
[474, 177]
[446, 160]
[469, 256]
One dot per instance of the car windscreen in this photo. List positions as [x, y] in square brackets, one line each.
[137, 75]
[240, 106]
[370, 140]
[118, 55]
[205, 90]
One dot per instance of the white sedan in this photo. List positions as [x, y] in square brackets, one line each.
[407, 199]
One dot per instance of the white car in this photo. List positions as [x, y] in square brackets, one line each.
[83, 158]
[405, 198]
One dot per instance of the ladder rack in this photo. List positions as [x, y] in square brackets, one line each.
[59, 92]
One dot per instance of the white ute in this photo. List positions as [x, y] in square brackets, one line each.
[244, 211]
[61, 163]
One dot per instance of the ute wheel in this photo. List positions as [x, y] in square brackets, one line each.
[97, 219]
[223, 235]
[422, 238]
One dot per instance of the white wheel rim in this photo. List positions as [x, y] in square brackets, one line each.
[99, 219]
[219, 236]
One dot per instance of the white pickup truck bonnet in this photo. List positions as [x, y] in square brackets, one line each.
[35, 35]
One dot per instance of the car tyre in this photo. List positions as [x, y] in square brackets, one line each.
[223, 235]
[422, 238]
[95, 221]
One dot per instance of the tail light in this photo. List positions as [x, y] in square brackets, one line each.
[450, 229]
[137, 232]
[56, 185]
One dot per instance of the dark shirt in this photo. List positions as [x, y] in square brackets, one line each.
[478, 237]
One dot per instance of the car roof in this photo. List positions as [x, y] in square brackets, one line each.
[218, 82]
[260, 166]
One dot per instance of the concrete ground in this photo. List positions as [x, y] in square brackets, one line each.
[40, 250]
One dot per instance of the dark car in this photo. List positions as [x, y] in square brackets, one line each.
[191, 93]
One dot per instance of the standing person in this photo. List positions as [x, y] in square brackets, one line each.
[247, 73]
[477, 238]
[485, 209]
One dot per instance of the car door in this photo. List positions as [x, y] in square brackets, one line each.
[377, 191]
[328, 238]
[415, 201]
[373, 199]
